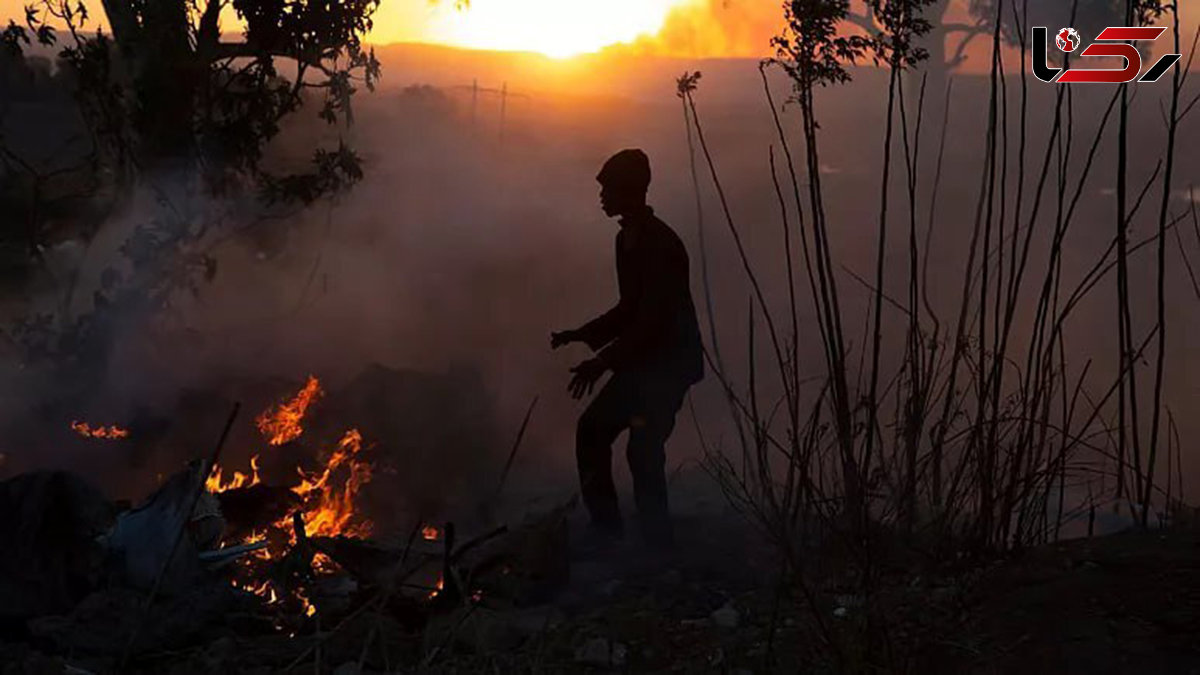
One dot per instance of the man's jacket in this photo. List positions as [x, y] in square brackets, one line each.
[653, 328]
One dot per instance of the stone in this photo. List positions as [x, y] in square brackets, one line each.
[610, 589]
[602, 653]
[725, 617]
[484, 630]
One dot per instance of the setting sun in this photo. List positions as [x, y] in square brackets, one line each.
[557, 28]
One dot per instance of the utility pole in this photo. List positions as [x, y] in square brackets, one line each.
[474, 99]
[503, 106]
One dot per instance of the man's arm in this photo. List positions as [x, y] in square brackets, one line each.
[603, 329]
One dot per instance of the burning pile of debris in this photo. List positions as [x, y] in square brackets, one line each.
[278, 575]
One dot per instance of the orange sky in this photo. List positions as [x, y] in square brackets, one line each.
[561, 28]
[566, 27]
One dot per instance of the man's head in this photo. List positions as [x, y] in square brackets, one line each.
[624, 180]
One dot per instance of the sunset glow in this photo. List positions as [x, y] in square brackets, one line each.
[557, 28]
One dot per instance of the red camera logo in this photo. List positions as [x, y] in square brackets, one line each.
[1112, 41]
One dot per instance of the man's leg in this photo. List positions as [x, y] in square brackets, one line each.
[599, 425]
[650, 427]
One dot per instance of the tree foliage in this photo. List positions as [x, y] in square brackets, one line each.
[812, 49]
[933, 40]
[815, 50]
[166, 91]
[178, 106]
[902, 25]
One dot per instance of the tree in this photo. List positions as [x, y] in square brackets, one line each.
[167, 92]
[945, 43]
[178, 110]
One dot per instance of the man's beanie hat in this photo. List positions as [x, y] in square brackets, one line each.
[628, 169]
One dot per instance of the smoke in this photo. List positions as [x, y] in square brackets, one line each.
[477, 231]
[711, 28]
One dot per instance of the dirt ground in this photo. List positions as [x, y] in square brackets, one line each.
[1126, 603]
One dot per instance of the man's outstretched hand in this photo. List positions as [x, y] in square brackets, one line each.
[563, 337]
[586, 375]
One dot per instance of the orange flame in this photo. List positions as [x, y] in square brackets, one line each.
[263, 590]
[216, 482]
[332, 506]
[323, 564]
[282, 423]
[328, 495]
[430, 533]
[112, 432]
[329, 508]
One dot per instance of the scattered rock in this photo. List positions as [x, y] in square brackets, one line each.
[619, 652]
[601, 653]
[484, 630]
[535, 620]
[943, 593]
[610, 589]
[220, 655]
[725, 617]
[849, 601]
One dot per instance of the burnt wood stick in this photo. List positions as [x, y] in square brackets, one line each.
[450, 587]
[299, 529]
[512, 454]
[222, 556]
[481, 539]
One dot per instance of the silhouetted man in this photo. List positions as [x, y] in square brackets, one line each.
[651, 343]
